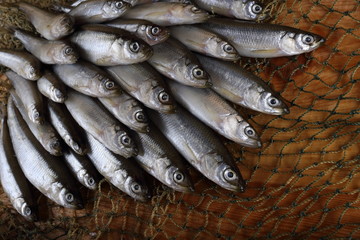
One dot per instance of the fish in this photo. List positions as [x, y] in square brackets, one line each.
[173, 60]
[29, 96]
[120, 172]
[113, 46]
[45, 172]
[264, 40]
[132, 2]
[167, 14]
[95, 120]
[13, 180]
[67, 127]
[199, 145]
[128, 111]
[147, 31]
[242, 87]
[216, 113]
[161, 160]
[22, 63]
[87, 78]
[52, 87]
[50, 25]
[245, 9]
[45, 133]
[82, 169]
[145, 84]
[205, 42]
[47, 51]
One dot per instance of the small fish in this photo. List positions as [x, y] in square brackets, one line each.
[29, 95]
[121, 172]
[149, 32]
[51, 26]
[128, 111]
[242, 87]
[200, 147]
[21, 62]
[46, 172]
[113, 46]
[264, 40]
[51, 87]
[145, 84]
[203, 41]
[172, 59]
[160, 159]
[215, 112]
[95, 120]
[67, 127]
[167, 14]
[87, 78]
[132, 2]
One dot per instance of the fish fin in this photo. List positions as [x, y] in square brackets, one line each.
[266, 51]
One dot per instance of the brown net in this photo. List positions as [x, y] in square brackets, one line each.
[302, 184]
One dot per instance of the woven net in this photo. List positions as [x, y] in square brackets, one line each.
[302, 184]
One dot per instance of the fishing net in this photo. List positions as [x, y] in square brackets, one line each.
[302, 184]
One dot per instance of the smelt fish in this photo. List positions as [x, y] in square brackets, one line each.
[52, 87]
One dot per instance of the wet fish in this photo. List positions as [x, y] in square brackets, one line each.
[242, 87]
[128, 111]
[160, 159]
[29, 96]
[21, 62]
[44, 133]
[263, 40]
[67, 127]
[99, 123]
[121, 172]
[47, 173]
[52, 87]
[174, 1]
[145, 84]
[215, 112]
[203, 41]
[51, 26]
[132, 2]
[149, 32]
[167, 14]
[113, 46]
[82, 169]
[172, 59]
[87, 78]
[200, 147]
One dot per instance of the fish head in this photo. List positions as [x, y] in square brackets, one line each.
[64, 54]
[162, 100]
[124, 143]
[247, 10]
[115, 8]
[136, 188]
[31, 71]
[70, 199]
[35, 116]
[153, 34]
[135, 50]
[136, 116]
[197, 75]
[294, 43]
[27, 211]
[222, 48]
[57, 95]
[62, 25]
[178, 179]
[195, 13]
[271, 104]
[54, 146]
[79, 148]
[89, 181]
[229, 177]
[107, 86]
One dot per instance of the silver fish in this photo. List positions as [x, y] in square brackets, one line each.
[173, 1]
[200, 147]
[149, 32]
[83, 169]
[215, 112]
[160, 159]
[242, 87]
[51, 26]
[51, 87]
[128, 111]
[87, 78]
[263, 40]
[113, 46]
[67, 127]
[13, 180]
[21, 62]
[143, 83]
[132, 2]
[203, 41]
[47, 173]
[45, 133]
[167, 14]
[121, 172]
[172, 59]
[47, 51]
[99, 123]
[29, 96]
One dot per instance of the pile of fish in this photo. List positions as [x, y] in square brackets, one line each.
[95, 95]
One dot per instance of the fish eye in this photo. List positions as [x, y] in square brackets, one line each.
[136, 188]
[69, 197]
[36, 115]
[91, 181]
[109, 85]
[273, 101]
[256, 8]
[119, 4]
[58, 93]
[55, 145]
[308, 39]
[195, 9]
[68, 51]
[140, 116]
[76, 146]
[198, 73]
[134, 47]
[178, 177]
[228, 48]
[164, 97]
[27, 211]
[249, 131]
[126, 141]
[155, 31]
[229, 174]
[32, 70]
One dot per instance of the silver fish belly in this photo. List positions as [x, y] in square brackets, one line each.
[52, 87]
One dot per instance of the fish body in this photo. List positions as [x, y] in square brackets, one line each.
[52, 87]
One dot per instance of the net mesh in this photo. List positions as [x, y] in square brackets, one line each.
[302, 184]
